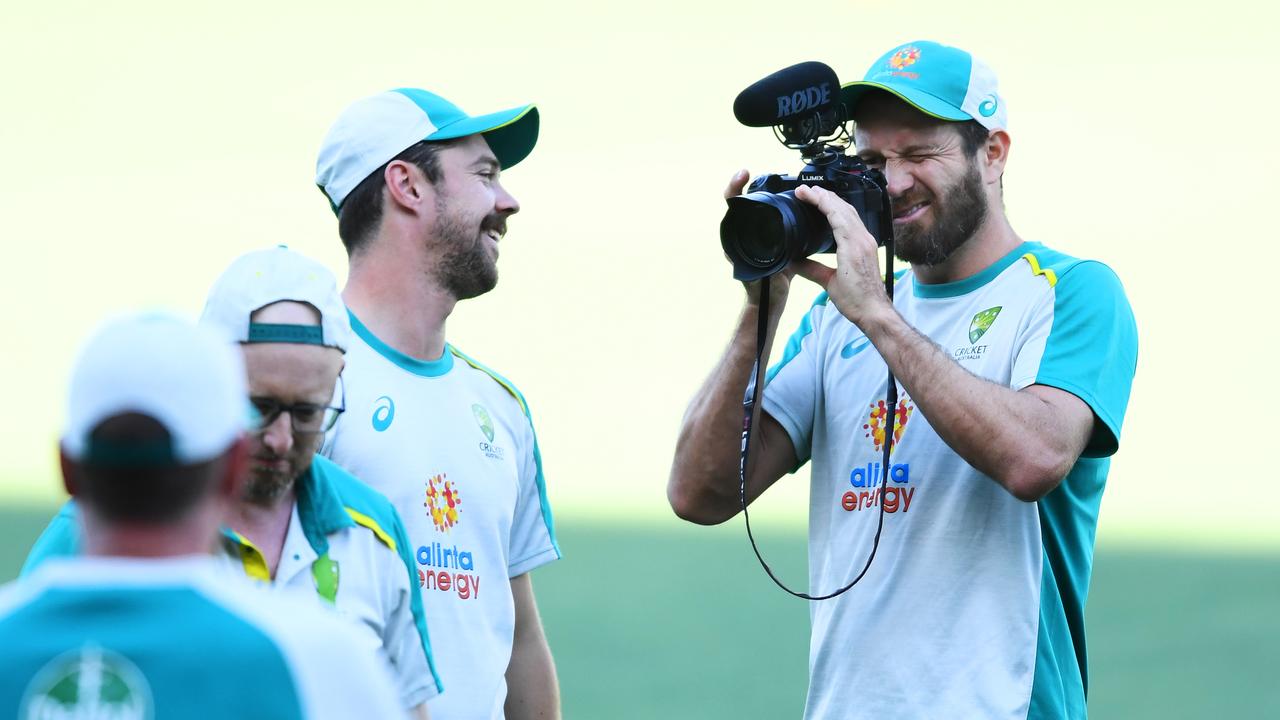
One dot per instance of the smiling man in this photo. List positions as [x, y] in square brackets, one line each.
[1014, 363]
[421, 209]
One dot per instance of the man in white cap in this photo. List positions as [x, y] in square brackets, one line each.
[1014, 362]
[415, 183]
[144, 624]
[304, 524]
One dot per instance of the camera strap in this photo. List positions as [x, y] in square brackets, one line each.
[891, 402]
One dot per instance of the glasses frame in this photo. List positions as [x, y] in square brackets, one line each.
[279, 408]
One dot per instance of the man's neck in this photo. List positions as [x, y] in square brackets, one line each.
[193, 534]
[266, 526]
[993, 240]
[390, 288]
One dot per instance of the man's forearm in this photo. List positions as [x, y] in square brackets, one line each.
[1013, 437]
[702, 488]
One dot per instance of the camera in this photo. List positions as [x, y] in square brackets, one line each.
[767, 228]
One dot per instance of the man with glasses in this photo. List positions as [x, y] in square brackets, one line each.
[303, 524]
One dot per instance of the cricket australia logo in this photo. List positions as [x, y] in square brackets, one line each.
[982, 323]
[486, 426]
[88, 683]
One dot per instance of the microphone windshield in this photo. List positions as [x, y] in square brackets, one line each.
[795, 92]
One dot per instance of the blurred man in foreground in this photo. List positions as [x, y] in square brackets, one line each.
[304, 525]
[144, 624]
[1015, 363]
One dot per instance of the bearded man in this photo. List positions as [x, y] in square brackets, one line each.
[416, 185]
[1014, 364]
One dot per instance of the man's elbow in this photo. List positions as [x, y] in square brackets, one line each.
[697, 506]
[1031, 479]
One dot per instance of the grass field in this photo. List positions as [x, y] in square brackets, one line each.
[661, 620]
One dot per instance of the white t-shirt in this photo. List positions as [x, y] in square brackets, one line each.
[451, 444]
[177, 638]
[974, 604]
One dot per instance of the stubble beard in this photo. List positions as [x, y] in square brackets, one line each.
[957, 216]
[465, 269]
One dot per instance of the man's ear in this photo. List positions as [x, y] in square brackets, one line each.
[405, 185]
[995, 155]
[69, 480]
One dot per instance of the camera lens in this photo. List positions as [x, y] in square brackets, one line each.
[758, 231]
[762, 232]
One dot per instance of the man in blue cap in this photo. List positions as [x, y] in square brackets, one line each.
[1014, 363]
[415, 183]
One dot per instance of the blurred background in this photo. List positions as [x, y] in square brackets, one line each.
[146, 144]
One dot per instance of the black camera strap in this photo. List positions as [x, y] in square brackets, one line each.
[891, 402]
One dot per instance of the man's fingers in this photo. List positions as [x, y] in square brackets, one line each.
[736, 183]
[813, 271]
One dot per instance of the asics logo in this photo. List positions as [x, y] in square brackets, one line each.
[988, 107]
[383, 413]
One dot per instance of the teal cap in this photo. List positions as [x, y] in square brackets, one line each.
[938, 80]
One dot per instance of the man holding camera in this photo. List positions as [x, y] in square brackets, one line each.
[415, 183]
[1014, 364]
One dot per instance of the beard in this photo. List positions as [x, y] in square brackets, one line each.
[465, 268]
[267, 483]
[958, 214]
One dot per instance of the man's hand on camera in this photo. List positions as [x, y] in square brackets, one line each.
[855, 284]
[780, 283]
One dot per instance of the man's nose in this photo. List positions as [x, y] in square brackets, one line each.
[506, 203]
[899, 178]
[278, 436]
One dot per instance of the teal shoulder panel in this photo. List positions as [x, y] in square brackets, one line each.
[1092, 348]
[1068, 524]
[61, 538]
[353, 495]
[794, 343]
[547, 519]
[153, 646]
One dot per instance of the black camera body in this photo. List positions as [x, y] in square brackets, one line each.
[767, 228]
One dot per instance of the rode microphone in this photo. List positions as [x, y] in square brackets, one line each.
[802, 102]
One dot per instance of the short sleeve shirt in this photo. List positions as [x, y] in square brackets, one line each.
[973, 606]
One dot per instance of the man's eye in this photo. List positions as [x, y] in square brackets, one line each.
[264, 407]
[306, 413]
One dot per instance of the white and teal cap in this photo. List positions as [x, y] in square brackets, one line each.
[938, 80]
[263, 277]
[185, 377]
[372, 131]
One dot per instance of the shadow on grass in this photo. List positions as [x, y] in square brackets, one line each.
[667, 620]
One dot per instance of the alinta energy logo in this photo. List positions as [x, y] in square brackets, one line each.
[88, 683]
[978, 327]
[446, 568]
[906, 56]
[865, 480]
[442, 502]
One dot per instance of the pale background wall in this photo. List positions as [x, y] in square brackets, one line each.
[144, 145]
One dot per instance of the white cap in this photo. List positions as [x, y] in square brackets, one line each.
[188, 379]
[373, 130]
[262, 277]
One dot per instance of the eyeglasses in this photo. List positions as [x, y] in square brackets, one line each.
[305, 418]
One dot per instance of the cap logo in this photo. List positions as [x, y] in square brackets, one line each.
[988, 107]
[905, 57]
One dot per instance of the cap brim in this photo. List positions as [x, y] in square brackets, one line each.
[852, 92]
[511, 134]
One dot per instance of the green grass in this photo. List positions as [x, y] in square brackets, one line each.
[668, 620]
